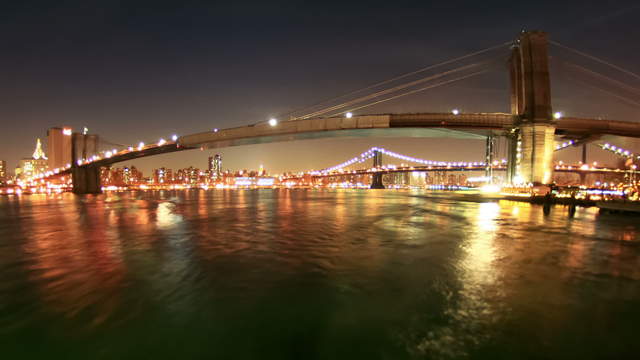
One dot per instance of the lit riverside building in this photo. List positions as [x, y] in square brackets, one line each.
[3, 171]
[37, 164]
[215, 167]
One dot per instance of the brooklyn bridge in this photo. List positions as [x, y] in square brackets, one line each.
[532, 130]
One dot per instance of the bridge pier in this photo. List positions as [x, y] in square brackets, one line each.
[376, 178]
[536, 162]
[86, 180]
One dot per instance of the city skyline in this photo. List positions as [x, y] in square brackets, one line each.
[263, 82]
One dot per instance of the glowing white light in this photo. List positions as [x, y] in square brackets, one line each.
[455, 111]
[215, 130]
[490, 188]
[348, 115]
[273, 122]
[140, 145]
[162, 142]
[557, 115]
[174, 138]
[66, 132]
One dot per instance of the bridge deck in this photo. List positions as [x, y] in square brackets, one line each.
[472, 125]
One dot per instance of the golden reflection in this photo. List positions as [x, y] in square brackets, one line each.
[75, 263]
[165, 216]
[473, 306]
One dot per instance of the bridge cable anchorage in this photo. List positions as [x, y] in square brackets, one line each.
[397, 88]
[372, 86]
[413, 91]
[591, 57]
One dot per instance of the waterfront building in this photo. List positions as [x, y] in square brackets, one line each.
[215, 167]
[37, 164]
[3, 171]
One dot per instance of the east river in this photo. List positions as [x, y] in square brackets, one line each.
[304, 274]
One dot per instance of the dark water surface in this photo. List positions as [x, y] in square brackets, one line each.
[298, 274]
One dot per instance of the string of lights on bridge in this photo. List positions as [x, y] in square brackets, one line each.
[372, 152]
[108, 154]
[619, 151]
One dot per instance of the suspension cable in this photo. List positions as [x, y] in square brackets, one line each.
[604, 77]
[430, 67]
[413, 91]
[620, 97]
[396, 88]
[596, 59]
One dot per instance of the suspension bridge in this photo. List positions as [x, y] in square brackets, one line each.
[531, 128]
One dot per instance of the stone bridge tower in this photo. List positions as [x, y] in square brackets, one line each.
[532, 145]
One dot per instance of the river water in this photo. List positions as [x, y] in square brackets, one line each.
[303, 274]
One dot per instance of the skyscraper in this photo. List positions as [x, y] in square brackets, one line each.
[59, 147]
[215, 167]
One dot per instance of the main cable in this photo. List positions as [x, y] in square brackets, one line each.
[591, 57]
[403, 76]
[414, 91]
[397, 88]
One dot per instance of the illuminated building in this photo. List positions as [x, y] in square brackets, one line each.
[3, 171]
[59, 147]
[37, 164]
[250, 181]
[215, 167]
[162, 176]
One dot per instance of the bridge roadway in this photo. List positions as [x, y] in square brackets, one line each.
[469, 126]
[472, 125]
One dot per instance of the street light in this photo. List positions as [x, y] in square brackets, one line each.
[349, 115]
[273, 122]
[557, 115]
[455, 111]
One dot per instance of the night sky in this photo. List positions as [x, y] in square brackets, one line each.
[133, 71]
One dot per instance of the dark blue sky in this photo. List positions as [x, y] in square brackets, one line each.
[134, 71]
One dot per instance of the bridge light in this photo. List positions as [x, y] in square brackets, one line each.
[141, 145]
[215, 130]
[174, 138]
[348, 115]
[455, 111]
[162, 142]
[557, 115]
[273, 122]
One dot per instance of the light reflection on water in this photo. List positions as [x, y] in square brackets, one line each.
[325, 274]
